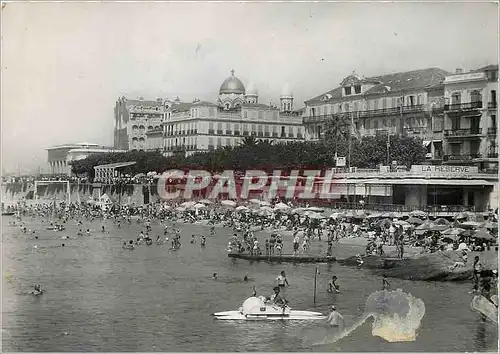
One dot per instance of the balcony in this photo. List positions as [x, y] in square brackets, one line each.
[228, 132]
[245, 133]
[463, 106]
[211, 131]
[466, 157]
[236, 132]
[462, 133]
[260, 134]
[254, 134]
[493, 155]
[220, 132]
[492, 131]
[492, 105]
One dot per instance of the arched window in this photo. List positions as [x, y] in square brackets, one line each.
[150, 127]
[135, 128]
[227, 105]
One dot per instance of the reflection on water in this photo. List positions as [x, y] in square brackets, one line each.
[100, 297]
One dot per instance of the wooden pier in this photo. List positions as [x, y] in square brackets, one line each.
[285, 258]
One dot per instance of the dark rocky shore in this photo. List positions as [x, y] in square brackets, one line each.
[427, 266]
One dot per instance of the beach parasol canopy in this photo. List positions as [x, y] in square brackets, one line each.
[483, 234]
[360, 215]
[390, 215]
[205, 201]
[401, 222]
[180, 209]
[298, 211]
[315, 209]
[228, 203]
[254, 201]
[470, 224]
[199, 206]
[460, 216]
[315, 216]
[188, 204]
[490, 225]
[266, 208]
[374, 215]
[349, 215]
[415, 221]
[418, 214]
[383, 223]
[453, 231]
[336, 215]
[282, 206]
[442, 221]
[450, 237]
[264, 203]
[241, 208]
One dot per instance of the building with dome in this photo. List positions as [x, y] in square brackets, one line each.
[200, 125]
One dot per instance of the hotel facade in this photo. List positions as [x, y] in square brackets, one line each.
[202, 126]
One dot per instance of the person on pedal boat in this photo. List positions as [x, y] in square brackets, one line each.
[276, 298]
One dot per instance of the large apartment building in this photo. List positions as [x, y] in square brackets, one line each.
[406, 103]
[470, 118]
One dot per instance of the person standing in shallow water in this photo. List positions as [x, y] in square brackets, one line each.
[385, 284]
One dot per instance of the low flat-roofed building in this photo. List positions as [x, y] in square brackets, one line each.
[60, 156]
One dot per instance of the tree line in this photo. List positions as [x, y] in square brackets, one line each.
[253, 153]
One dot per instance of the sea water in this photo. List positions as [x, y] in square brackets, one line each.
[100, 297]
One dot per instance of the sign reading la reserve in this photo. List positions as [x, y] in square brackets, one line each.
[458, 170]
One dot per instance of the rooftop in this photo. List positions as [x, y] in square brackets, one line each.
[409, 80]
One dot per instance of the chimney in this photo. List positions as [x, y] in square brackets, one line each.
[459, 71]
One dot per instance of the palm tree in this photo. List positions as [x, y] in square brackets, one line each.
[249, 141]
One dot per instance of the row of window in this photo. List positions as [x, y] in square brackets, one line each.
[193, 141]
[475, 96]
[381, 103]
[136, 128]
[235, 128]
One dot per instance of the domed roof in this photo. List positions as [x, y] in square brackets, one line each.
[286, 92]
[232, 85]
[252, 90]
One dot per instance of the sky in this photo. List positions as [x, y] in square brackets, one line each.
[65, 64]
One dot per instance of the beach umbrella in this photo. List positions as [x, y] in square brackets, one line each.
[254, 201]
[401, 222]
[437, 227]
[453, 231]
[374, 215]
[180, 209]
[282, 206]
[483, 234]
[490, 225]
[460, 216]
[467, 233]
[205, 201]
[315, 216]
[470, 224]
[199, 206]
[266, 208]
[390, 215]
[241, 208]
[316, 209]
[383, 223]
[228, 203]
[264, 203]
[336, 215]
[188, 204]
[442, 221]
[349, 215]
[360, 215]
[298, 211]
[418, 214]
[415, 221]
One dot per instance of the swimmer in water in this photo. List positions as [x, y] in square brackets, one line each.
[385, 284]
[103, 230]
[193, 240]
[245, 278]
[203, 241]
[335, 319]
[214, 276]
